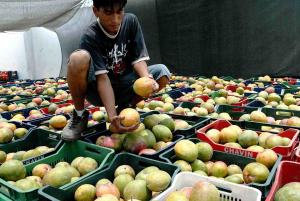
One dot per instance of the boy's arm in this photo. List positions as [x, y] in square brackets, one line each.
[107, 96]
[141, 69]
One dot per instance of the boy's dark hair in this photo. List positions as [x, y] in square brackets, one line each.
[109, 3]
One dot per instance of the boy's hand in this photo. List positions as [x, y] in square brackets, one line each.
[155, 84]
[117, 127]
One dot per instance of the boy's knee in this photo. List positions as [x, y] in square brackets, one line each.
[79, 60]
[159, 70]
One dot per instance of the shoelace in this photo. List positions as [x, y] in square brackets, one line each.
[75, 120]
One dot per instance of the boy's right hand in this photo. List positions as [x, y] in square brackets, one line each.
[116, 126]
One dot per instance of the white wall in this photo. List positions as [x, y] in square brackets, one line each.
[43, 53]
[35, 53]
[12, 53]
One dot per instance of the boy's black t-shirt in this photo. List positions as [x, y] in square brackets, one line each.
[115, 56]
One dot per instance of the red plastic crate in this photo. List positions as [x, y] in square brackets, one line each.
[55, 100]
[297, 154]
[243, 102]
[287, 172]
[93, 109]
[234, 87]
[153, 99]
[45, 110]
[86, 103]
[286, 151]
[203, 97]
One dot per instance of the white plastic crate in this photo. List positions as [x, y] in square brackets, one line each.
[228, 190]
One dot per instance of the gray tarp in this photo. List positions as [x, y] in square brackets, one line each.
[20, 15]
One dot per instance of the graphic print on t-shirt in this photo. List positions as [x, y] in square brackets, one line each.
[115, 59]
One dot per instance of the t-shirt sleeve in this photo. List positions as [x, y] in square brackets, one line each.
[140, 52]
[96, 55]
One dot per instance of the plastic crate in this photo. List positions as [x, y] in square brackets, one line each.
[228, 190]
[203, 97]
[45, 121]
[93, 138]
[265, 126]
[20, 125]
[136, 162]
[242, 102]
[255, 79]
[279, 114]
[255, 103]
[285, 151]
[4, 198]
[297, 154]
[23, 125]
[179, 92]
[34, 138]
[287, 172]
[278, 90]
[6, 98]
[250, 95]
[175, 104]
[93, 109]
[46, 111]
[235, 111]
[242, 161]
[86, 103]
[25, 84]
[21, 96]
[234, 87]
[24, 99]
[227, 78]
[189, 105]
[67, 152]
[195, 122]
[24, 112]
[291, 91]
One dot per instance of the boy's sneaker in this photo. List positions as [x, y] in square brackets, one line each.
[75, 126]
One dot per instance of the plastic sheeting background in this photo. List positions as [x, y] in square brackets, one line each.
[230, 37]
[23, 14]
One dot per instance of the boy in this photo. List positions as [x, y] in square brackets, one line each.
[111, 57]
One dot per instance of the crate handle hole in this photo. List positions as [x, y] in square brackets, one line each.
[144, 164]
[91, 149]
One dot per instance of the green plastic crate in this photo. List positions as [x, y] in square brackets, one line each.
[4, 198]
[235, 111]
[23, 100]
[189, 105]
[136, 162]
[194, 121]
[227, 78]
[291, 91]
[170, 157]
[67, 152]
[214, 94]
[255, 79]
[34, 138]
[279, 114]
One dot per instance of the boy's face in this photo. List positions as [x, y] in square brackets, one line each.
[110, 18]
